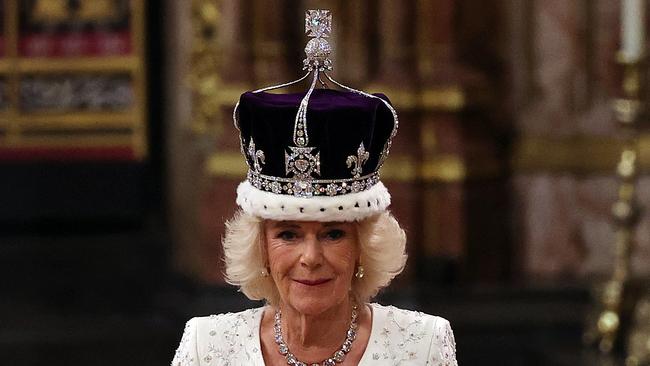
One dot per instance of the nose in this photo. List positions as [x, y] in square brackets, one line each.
[312, 252]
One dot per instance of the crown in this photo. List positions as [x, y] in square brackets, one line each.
[314, 155]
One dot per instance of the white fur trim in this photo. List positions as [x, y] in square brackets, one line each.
[281, 207]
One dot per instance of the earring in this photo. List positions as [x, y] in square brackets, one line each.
[359, 273]
[264, 272]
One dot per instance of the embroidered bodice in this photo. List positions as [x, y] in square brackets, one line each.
[397, 337]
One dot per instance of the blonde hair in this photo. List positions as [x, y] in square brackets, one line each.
[382, 244]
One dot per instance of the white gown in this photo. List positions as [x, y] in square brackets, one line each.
[397, 337]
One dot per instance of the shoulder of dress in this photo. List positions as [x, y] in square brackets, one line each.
[222, 339]
[244, 315]
[212, 324]
[227, 338]
[442, 332]
[443, 344]
[401, 315]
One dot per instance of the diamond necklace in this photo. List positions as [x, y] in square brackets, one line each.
[337, 357]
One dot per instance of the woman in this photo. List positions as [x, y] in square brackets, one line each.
[313, 237]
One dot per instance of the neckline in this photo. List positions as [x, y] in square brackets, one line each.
[373, 326]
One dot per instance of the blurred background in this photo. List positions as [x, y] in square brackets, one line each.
[119, 162]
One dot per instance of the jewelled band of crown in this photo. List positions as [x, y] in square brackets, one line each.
[312, 187]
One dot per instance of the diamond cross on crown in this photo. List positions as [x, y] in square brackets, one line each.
[318, 23]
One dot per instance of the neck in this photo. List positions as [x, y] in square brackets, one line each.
[311, 332]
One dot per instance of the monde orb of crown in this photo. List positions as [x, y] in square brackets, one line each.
[318, 49]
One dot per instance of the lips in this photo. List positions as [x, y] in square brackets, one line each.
[316, 282]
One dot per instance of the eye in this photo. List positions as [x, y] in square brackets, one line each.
[335, 234]
[287, 235]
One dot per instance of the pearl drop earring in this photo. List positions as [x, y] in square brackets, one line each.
[360, 272]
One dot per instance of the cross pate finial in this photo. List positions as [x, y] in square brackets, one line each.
[318, 23]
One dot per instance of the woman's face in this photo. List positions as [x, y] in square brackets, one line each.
[312, 263]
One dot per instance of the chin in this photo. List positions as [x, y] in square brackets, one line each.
[315, 303]
[312, 305]
[316, 299]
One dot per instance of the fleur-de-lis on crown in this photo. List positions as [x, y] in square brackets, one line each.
[257, 156]
[357, 161]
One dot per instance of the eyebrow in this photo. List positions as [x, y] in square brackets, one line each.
[286, 224]
[295, 225]
[335, 223]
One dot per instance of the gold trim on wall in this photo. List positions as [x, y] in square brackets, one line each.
[444, 168]
[140, 138]
[204, 78]
[580, 155]
[452, 98]
[226, 165]
[228, 95]
[12, 78]
[79, 64]
[82, 120]
[400, 168]
[87, 141]
[445, 99]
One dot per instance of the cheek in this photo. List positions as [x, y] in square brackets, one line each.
[280, 257]
[344, 259]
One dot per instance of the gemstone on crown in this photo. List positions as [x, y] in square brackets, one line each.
[318, 23]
